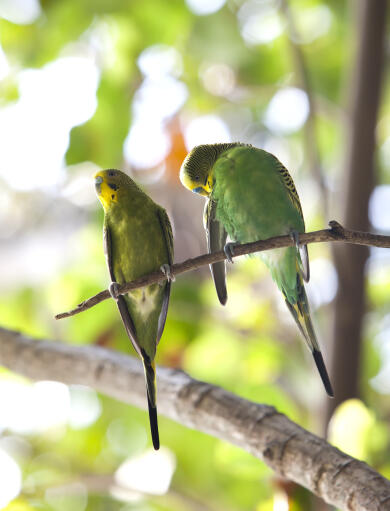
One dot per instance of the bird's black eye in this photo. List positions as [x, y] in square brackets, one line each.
[112, 186]
[196, 178]
[111, 173]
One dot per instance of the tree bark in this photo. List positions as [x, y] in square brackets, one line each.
[365, 87]
[288, 449]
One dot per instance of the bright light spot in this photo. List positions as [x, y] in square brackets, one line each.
[4, 66]
[146, 145]
[323, 282]
[159, 99]
[350, 427]
[71, 496]
[151, 472]
[219, 79]
[11, 479]
[35, 129]
[379, 208]
[21, 12]
[280, 501]
[287, 111]
[29, 409]
[85, 407]
[159, 60]
[381, 382]
[51, 405]
[384, 151]
[208, 129]
[78, 189]
[203, 7]
[312, 23]
[66, 87]
[259, 22]
[102, 39]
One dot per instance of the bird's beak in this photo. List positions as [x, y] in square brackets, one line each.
[203, 190]
[98, 184]
[200, 190]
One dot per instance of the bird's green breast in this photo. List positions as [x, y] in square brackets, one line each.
[137, 240]
[254, 203]
[138, 247]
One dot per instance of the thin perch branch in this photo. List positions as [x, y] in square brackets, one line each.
[288, 449]
[335, 233]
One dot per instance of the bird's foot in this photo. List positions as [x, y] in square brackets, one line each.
[295, 237]
[114, 290]
[167, 271]
[303, 259]
[229, 250]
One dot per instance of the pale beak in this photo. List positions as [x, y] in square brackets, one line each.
[201, 191]
[98, 182]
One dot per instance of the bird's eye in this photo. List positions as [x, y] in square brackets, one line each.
[111, 173]
[196, 178]
[112, 186]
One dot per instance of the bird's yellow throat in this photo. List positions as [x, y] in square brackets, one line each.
[105, 194]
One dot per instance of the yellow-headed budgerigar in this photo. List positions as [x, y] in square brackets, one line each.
[137, 241]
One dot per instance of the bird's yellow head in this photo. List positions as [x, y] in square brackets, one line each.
[196, 172]
[110, 185]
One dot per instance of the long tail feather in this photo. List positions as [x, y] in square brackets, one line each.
[150, 377]
[301, 314]
[153, 425]
[317, 355]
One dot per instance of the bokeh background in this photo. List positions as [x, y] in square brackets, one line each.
[134, 85]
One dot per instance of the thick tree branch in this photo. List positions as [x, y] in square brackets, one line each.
[284, 446]
[335, 233]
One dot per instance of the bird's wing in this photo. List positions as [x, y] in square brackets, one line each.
[216, 239]
[121, 302]
[168, 237]
[289, 184]
[302, 254]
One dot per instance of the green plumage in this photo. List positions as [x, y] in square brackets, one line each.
[138, 240]
[253, 203]
[251, 196]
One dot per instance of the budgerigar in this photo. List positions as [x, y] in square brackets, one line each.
[251, 196]
[137, 241]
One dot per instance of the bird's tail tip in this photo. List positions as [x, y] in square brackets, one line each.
[153, 425]
[150, 376]
[318, 359]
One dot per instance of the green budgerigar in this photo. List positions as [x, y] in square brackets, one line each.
[137, 241]
[251, 196]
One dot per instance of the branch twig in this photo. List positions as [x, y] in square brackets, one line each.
[335, 233]
[288, 449]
